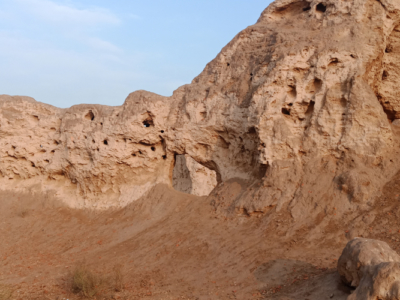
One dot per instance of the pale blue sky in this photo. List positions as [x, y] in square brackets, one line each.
[66, 52]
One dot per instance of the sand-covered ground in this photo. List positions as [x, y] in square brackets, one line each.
[171, 245]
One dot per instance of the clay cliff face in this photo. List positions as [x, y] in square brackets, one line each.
[302, 108]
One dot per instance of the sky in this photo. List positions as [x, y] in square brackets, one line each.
[67, 52]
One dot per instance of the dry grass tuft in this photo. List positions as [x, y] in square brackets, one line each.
[118, 278]
[89, 284]
[85, 282]
[5, 292]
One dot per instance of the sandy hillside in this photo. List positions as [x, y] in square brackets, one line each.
[171, 245]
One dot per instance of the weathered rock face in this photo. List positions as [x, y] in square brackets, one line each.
[372, 267]
[302, 106]
[192, 178]
[88, 155]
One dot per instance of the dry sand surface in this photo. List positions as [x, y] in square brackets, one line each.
[173, 245]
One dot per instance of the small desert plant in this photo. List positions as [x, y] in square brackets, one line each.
[85, 282]
[118, 278]
[88, 284]
[5, 292]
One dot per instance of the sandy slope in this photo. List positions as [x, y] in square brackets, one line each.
[178, 246]
[171, 245]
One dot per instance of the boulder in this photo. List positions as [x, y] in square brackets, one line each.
[372, 267]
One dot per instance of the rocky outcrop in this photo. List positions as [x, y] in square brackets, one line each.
[371, 267]
[301, 106]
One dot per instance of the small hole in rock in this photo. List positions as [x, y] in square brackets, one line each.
[164, 157]
[290, 104]
[252, 130]
[307, 8]
[89, 115]
[385, 75]
[101, 124]
[343, 102]
[162, 131]
[93, 141]
[285, 111]
[389, 49]
[321, 7]
[228, 64]
[310, 108]
[33, 165]
[134, 155]
[292, 91]
[147, 123]
[153, 148]
[53, 151]
[334, 61]
[391, 115]
[279, 9]
[140, 152]
[105, 142]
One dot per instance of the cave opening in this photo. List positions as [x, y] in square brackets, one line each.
[190, 177]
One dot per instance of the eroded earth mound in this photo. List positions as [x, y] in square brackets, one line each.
[284, 148]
